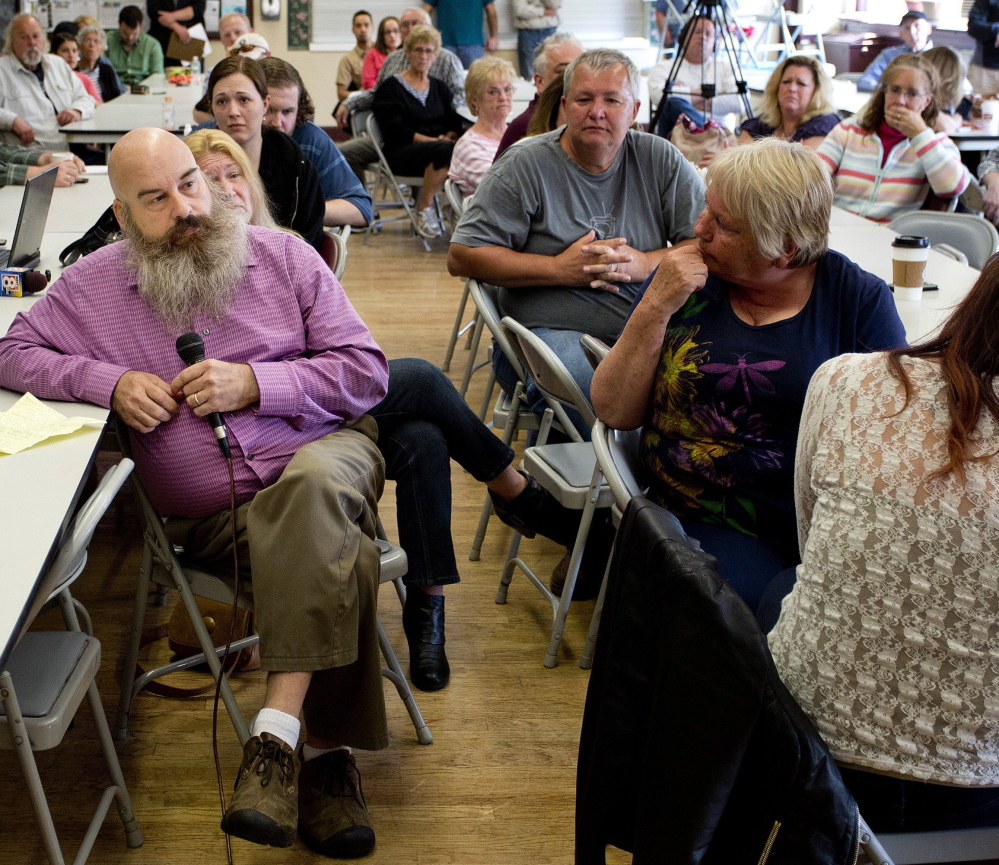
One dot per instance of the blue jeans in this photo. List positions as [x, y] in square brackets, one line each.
[747, 564]
[527, 43]
[675, 106]
[422, 424]
[467, 54]
[565, 343]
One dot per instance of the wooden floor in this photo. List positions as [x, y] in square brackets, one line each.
[497, 784]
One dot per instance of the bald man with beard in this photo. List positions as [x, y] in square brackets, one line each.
[293, 371]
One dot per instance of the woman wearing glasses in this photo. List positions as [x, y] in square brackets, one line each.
[419, 123]
[489, 95]
[885, 160]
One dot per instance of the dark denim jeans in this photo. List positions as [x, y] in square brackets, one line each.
[527, 43]
[893, 805]
[422, 424]
[676, 106]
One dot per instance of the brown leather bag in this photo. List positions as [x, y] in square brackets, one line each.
[183, 641]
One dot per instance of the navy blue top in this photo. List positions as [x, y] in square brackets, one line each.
[722, 430]
[821, 124]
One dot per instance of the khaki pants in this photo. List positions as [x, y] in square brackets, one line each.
[308, 540]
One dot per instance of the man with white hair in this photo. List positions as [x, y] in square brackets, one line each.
[38, 92]
[293, 373]
[570, 222]
[231, 27]
[550, 59]
[360, 152]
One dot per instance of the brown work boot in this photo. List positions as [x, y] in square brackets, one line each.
[333, 817]
[264, 805]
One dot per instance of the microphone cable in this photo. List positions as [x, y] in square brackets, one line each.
[225, 656]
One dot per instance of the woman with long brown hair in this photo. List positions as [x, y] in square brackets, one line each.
[888, 639]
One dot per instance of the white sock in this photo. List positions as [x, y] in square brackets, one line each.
[310, 752]
[277, 723]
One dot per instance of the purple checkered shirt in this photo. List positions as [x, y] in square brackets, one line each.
[316, 365]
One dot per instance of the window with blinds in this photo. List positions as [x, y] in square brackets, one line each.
[602, 22]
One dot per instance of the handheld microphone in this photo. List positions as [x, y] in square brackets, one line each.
[191, 348]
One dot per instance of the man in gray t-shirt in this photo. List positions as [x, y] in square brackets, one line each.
[570, 223]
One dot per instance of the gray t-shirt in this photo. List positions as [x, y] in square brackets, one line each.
[536, 199]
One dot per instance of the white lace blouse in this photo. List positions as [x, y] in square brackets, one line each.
[890, 638]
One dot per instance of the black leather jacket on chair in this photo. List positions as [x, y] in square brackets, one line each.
[692, 750]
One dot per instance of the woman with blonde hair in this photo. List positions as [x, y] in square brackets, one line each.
[225, 163]
[419, 123]
[950, 91]
[721, 342]
[489, 94]
[886, 160]
[797, 105]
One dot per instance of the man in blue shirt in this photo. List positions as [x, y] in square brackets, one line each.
[461, 27]
[915, 31]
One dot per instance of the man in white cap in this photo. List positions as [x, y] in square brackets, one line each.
[251, 45]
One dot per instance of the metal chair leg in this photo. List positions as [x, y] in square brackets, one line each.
[134, 641]
[558, 622]
[395, 675]
[457, 330]
[586, 659]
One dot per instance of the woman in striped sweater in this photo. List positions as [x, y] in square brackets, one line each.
[885, 160]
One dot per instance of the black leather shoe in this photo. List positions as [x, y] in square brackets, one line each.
[423, 622]
[535, 511]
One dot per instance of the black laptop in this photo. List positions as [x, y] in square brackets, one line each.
[25, 251]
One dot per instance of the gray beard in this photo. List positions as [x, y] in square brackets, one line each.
[183, 277]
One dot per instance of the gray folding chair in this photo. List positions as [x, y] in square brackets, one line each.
[458, 203]
[48, 675]
[163, 564]
[385, 175]
[973, 235]
[334, 250]
[510, 412]
[568, 471]
[594, 349]
[912, 848]
[618, 462]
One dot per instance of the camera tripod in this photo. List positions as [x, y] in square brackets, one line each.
[717, 12]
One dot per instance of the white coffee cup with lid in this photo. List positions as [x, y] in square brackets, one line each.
[909, 253]
[990, 117]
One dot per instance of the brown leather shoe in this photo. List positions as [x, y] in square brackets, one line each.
[593, 565]
[264, 806]
[332, 815]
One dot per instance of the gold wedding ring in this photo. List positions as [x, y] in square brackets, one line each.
[196, 400]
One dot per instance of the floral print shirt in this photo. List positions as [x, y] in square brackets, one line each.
[727, 397]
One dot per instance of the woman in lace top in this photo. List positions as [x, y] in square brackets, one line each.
[889, 638]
